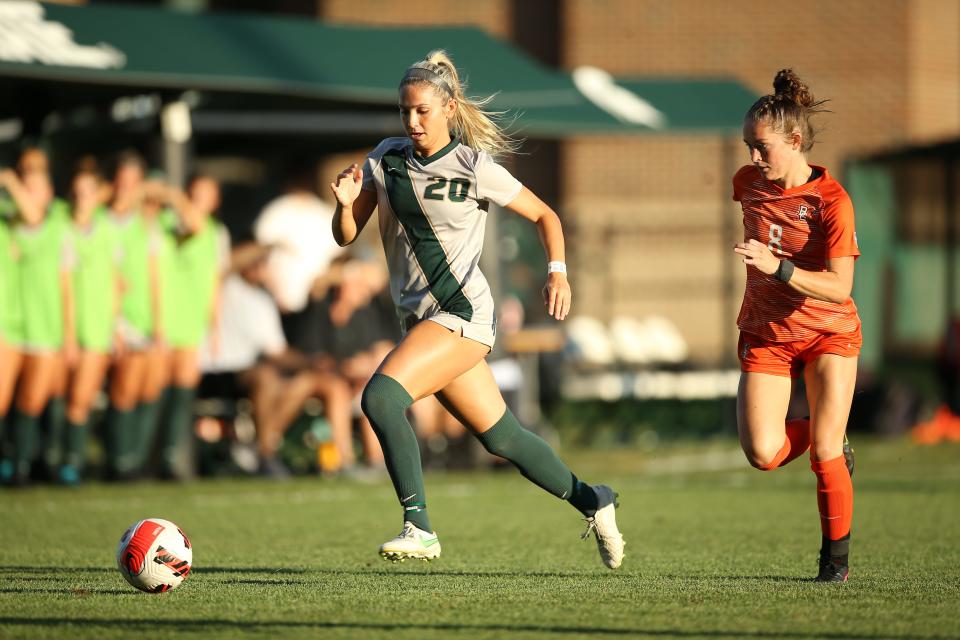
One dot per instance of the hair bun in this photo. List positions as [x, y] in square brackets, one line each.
[788, 85]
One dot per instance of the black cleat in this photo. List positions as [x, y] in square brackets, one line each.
[848, 454]
[831, 571]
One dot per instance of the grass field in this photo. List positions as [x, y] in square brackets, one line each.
[725, 552]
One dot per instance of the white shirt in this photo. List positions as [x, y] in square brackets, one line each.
[249, 327]
[298, 225]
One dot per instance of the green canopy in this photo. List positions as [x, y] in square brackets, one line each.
[114, 49]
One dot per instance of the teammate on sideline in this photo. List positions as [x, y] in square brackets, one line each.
[94, 244]
[189, 310]
[797, 315]
[46, 298]
[432, 188]
[11, 311]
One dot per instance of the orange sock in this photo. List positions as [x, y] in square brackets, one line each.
[796, 443]
[834, 497]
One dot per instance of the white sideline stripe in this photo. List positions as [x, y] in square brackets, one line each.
[715, 460]
[322, 494]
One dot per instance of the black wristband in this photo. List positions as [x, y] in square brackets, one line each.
[784, 272]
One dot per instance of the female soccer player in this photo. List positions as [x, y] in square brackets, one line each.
[140, 323]
[11, 313]
[190, 306]
[432, 188]
[45, 294]
[94, 243]
[797, 315]
[155, 211]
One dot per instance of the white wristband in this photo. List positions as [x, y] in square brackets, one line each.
[556, 266]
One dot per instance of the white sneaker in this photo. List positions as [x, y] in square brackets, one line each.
[603, 524]
[411, 543]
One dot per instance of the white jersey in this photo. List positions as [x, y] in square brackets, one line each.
[432, 217]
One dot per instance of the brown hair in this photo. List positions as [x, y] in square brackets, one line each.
[476, 126]
[789, 108]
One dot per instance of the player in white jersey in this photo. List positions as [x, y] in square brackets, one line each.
[431, 189]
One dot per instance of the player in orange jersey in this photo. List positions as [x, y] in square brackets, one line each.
[797, 316]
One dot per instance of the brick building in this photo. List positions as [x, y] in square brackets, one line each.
[646, 214]
[648, 217]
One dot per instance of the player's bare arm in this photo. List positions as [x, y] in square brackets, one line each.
[832, 285]
[556, 293]
[30, 211]
[354, 205]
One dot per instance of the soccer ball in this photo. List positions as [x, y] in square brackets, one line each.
[154, 555]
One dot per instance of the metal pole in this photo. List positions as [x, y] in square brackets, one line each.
[177, 131]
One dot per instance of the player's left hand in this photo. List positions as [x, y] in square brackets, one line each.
[759, 255]
[557, 295]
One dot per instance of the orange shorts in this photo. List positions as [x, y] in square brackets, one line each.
[788, 358]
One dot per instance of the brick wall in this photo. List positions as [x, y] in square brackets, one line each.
[934, 70]
[648, 218]
[493, 16]
[890, 68]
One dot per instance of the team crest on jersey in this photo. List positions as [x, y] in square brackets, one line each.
[805, 213]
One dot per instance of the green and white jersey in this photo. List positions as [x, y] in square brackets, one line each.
[432, 217]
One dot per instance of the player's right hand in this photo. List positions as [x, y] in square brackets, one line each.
[346, 188]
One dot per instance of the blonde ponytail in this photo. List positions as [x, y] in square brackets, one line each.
[473, 123]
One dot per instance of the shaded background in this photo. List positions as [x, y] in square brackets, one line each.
[647, 213]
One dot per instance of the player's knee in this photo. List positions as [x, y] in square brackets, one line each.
[761, 455]
[378, 406]
[821, 451]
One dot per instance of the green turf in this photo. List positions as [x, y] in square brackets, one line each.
[725, 553]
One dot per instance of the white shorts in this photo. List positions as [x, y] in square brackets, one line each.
[133, 338]
[485, 334]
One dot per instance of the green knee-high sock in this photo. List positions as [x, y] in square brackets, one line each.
[25, 429]
[147, 418]
[3, 436]
[119, 435]
[385, 403]
[178, 429]
[54, 422]
[6, 465]
[538, 462]
[75, 444]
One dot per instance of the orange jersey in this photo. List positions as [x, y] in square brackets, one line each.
[807, 225]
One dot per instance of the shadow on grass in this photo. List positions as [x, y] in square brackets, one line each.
[40, 573]
[74, 591]
[212, 626]
[23, 569]
[725, 578]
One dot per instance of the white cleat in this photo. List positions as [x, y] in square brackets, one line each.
[411, 543]
[603, 524]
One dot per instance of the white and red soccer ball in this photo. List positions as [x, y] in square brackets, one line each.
[154, 555]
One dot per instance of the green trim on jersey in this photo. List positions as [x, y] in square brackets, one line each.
[425, 160]
[11, 308]
[426, 246]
